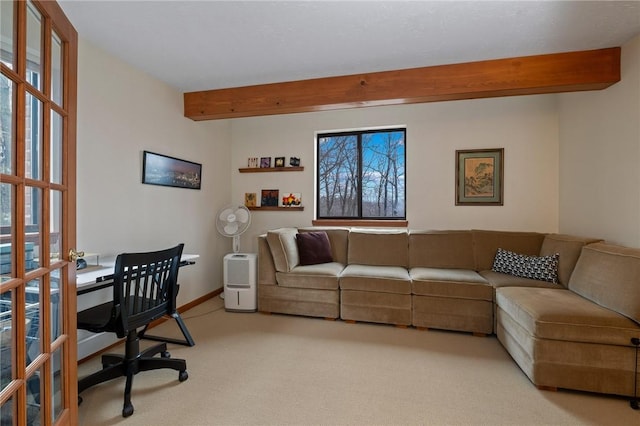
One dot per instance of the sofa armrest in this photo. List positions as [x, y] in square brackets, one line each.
[266, 266]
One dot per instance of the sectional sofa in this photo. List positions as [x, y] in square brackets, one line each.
[567, 309]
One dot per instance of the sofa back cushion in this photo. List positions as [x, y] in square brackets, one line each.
[569, 248]
[379, 248]
[441, 249]
[284, 250]
[487, 243]
[608, 275]
[338, 237]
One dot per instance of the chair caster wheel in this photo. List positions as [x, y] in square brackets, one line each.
[127, 410]
[165, 354]
[183, 376]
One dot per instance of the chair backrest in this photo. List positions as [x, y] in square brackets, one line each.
[144, 287]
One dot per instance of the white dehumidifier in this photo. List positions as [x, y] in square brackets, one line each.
[239, 275]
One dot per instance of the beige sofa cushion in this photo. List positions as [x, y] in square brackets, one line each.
[441, 249]
[322, 276]
[457, 283]
[498, 279]
[379, 248]
[610, 276]
[487, 243]
[569, 248]
[284, 250]
[385, 279]
[563, 315]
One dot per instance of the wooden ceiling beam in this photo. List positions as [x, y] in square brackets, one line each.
[552, 73]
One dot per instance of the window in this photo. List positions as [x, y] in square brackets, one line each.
[361, 175]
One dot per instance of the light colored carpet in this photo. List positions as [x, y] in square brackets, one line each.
[250, 368]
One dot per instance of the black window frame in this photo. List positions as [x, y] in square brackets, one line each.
[358, 134]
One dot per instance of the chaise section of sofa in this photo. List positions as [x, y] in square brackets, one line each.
[580, 337]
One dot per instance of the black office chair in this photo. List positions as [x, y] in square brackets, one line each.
[144, 287]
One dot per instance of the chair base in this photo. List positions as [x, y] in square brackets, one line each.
[188, 340]
[130, 364]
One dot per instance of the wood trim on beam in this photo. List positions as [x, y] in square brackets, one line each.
[528, 75]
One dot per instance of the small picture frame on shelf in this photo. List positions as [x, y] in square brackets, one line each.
[265, 162]
[291, 199]
[279, 162]
[253, 163]
[250, 199]
[269, 198]
[294, 161]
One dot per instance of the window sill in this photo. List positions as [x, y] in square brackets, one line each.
[365, 223]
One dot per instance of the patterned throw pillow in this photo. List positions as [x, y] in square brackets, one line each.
[542, 268]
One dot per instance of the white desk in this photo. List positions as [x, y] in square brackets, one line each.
[93, 286]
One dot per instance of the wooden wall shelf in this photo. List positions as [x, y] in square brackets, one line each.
[270, 169]
[291, 209]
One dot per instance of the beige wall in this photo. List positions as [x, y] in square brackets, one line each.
[600, 157]
[526, 127]
[121, 112]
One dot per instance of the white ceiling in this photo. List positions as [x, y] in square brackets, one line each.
[201, 45]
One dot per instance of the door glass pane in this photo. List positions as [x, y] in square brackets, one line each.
[55, 219]
[6, 231]
[58, 383]
[56, 69]
[56, 304]
[33, 239]
[7, 46]
[6, 338]
[7, 122]
[32, 319]
[33, 138]
[9, 408]
[34, 413]
[34, 46]
[56, 147]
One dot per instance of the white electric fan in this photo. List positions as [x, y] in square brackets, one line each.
[232, 221]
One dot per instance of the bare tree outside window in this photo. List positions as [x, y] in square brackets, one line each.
[361, 175]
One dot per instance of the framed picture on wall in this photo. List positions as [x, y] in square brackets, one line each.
[158, 169]
[479, 177]
[279, 162]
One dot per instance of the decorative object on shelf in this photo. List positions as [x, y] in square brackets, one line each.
[291, 199]
[269, 198]
[265, 162]
[231, 221]
[479, 177]
[253, 163]
[158, 169]
[294, 161]
[250, 199]
[279, 162]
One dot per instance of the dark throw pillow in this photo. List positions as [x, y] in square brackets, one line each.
[542, 268]
[314, 248]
